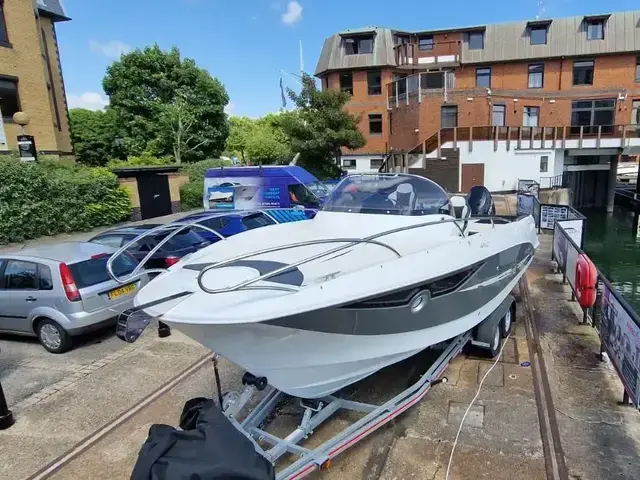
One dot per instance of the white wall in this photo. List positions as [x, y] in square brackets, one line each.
[363, 163]
[558, 164]
[503, 168]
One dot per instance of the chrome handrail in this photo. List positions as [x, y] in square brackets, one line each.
[350, 241]
[370, 239]
[135, 274]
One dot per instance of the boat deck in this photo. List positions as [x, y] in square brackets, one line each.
[554, 417]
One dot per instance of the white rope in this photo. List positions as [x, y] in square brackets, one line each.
[455, 442]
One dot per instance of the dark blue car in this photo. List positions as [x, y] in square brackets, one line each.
[231, 223]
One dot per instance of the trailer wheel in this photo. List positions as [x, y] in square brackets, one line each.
[506, 323]
[496, 341]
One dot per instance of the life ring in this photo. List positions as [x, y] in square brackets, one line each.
[586, 281]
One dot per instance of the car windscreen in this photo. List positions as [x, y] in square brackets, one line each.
[185, 239]
[256, 221]
[94, 271]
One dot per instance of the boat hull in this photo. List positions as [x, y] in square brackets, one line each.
[306, 358]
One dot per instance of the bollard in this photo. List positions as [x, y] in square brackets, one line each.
[6, 417]
[164, 330]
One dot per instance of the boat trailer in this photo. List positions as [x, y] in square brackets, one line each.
[317, 411]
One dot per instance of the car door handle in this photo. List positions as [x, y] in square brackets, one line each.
[30, 299]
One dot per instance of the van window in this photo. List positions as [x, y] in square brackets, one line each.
[301, 195]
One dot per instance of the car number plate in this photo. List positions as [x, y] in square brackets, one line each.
[122, 291]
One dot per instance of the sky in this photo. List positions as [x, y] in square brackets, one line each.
[248, 44]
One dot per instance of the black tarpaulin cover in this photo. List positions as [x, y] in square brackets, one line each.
[208, 447]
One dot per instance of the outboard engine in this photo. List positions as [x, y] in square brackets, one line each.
[480, 201]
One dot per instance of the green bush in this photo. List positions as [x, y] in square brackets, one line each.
[191, 195]
[48, 198]
[144, 160]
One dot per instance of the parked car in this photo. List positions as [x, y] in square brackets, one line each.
[228, 224]
[56, 292]
[185, 242]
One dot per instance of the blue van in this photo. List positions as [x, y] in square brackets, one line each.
[263, 187]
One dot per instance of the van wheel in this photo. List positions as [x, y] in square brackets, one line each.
[52, 336]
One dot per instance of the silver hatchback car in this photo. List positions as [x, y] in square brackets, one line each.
[58, 291]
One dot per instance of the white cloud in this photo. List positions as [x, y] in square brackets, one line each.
[110, 49]
[88, 100]
[293, 13]
[228, 109]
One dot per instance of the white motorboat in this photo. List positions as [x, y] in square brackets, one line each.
[382, 272]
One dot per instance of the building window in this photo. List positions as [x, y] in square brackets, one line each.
[374, 82]
[9, 99]
[583, 72]
[590, 114]
[538, 35]
[375, 124]
[483, 77]
[530, 116]
[400, 39]
[448, 116]
[635, 112]
[375, 163]
[4, 37]
[536, 75]
[544, 164]
[426, 42]
[595, 30]
[325, 82]
[346, 82]
[357, 45]
[349, 164]
[638, 69]
[476, 40]
[498, 115]
[431, 80]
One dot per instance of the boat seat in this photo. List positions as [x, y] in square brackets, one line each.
[461, 209]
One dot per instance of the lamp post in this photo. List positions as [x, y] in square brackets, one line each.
[26, 143]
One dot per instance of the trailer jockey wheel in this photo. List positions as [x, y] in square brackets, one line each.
[259, 382]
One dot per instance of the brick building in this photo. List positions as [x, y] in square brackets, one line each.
[532, 89]
[31, 76]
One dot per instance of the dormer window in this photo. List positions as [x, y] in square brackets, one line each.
[358, 45]
[538, 35]
[476, 40]
[595, 26]
[595, 30]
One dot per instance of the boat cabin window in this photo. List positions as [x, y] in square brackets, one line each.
[388, 194]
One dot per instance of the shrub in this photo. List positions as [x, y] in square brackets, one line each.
[144, 160]
[191, 193]
[48, 198]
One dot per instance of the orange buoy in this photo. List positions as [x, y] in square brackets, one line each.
[586, 281]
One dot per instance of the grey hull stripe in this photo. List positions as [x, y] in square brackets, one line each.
[292, 277]
[490, 279]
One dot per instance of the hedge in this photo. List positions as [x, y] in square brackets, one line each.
[48, 198]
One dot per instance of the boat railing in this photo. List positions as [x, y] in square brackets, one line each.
[176, 228]
[371, 239]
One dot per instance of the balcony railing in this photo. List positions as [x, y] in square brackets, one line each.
[401, 90]
[442, 53]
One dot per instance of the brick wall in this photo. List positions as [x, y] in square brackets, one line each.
[24, 61]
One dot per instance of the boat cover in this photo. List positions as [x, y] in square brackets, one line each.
[208, 447]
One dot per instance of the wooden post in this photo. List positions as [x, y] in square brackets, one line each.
[471, 139]
[555, 136]
[544, 134]
[406, 82]
[564, 136]
[439, 141]
[419, 88]
[624, 136]
[599, 136]
[424, 153]
[495, 139]
[508, 138]
[455, 137]
[531, 137]
[519, 138]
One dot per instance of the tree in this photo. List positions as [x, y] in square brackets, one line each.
[260, 141]
[147, 89]
[320, 127]
[93, 134]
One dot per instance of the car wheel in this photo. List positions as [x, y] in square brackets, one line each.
[52, 336]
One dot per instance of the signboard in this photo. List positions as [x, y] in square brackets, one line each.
[560, 245]
[573, 229]
[27, 148]
[620, 337]
[550, 213]
[242, 193]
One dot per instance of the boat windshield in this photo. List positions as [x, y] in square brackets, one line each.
[388, 194]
